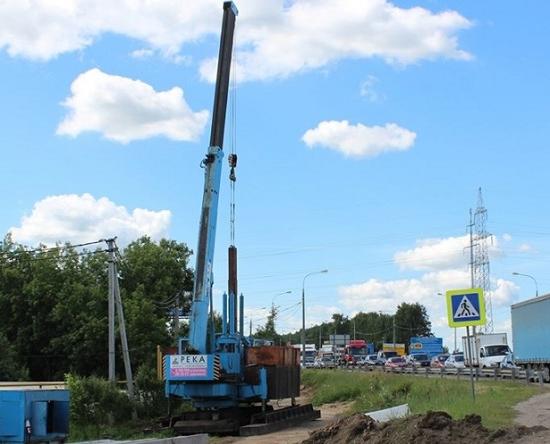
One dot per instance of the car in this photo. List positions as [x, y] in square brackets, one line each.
[508, 361]
[419, 360]
[370, 360]
[328, 362]
[456, 360]
[395, 362]
[439, 361]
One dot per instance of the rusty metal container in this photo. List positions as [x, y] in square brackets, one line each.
[283, 369]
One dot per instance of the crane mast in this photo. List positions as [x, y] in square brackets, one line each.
[212, 165]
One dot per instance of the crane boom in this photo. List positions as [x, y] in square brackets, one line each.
[212, 175]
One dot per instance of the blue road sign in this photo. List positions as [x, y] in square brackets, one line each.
[465, 307]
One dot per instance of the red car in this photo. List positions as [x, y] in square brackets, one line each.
[395, 362]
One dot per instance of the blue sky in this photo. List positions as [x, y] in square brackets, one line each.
[464, 83]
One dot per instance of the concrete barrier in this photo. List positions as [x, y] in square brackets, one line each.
[384, 415]
[192, 439]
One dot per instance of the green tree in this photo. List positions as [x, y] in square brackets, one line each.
[268, 330]
[53, 304]
[10, 369]
[411, 320]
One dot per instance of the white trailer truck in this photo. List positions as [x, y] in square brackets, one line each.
[488, 350]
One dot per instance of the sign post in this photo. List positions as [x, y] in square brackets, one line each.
[466, 308]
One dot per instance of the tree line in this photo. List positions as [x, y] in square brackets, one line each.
[53, 306]
[375, 327]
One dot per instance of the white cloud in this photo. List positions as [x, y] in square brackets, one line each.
[276, 38]
[83, 218]
[124, 109]
[434, 254]
[505, 293]
[142, 53]
[359, 140]
[441, 253]
[366, 89]
[525, 248]
[43, 30]
[375, 295]
[306, 35]
[506, 237]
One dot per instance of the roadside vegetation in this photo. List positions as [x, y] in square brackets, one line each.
[374, 391]
[100, 409]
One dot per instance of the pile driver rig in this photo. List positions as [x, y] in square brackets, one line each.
[228, 380]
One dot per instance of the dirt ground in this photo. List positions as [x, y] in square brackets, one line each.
[329, 413]
[434, 428]
[534, 412]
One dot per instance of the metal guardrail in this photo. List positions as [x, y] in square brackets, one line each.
[515, 374]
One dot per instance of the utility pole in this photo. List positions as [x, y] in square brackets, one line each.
[393, 332]
[124, 342]
[250, 329]
[303, 335]
[320, 336]
[114, 297]
[354, 329]
[111, 308]
[177, 315]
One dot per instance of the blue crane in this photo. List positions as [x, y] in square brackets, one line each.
[228, 380]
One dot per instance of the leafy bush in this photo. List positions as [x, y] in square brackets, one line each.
[97, 401]
[150, 398]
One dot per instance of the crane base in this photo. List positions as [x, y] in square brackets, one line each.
[246, 421]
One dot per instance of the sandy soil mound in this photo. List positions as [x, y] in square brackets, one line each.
[431, 428]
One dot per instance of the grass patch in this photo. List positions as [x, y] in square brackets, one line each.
[373, 391]
[130, 430]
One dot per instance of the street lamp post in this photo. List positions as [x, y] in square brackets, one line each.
[304, 314]
[529, 276]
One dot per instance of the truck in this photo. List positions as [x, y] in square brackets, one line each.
[356, 350]
[311, 353]
[531, 332]
[398, 348]
[429, 345]
[487, 349]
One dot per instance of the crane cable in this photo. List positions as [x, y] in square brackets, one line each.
[233, 147]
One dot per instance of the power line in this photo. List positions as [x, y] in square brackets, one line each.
[49, 258]
[48, 249]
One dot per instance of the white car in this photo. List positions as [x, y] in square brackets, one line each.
[455, 360]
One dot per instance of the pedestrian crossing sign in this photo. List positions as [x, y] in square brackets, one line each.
[466, 307]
